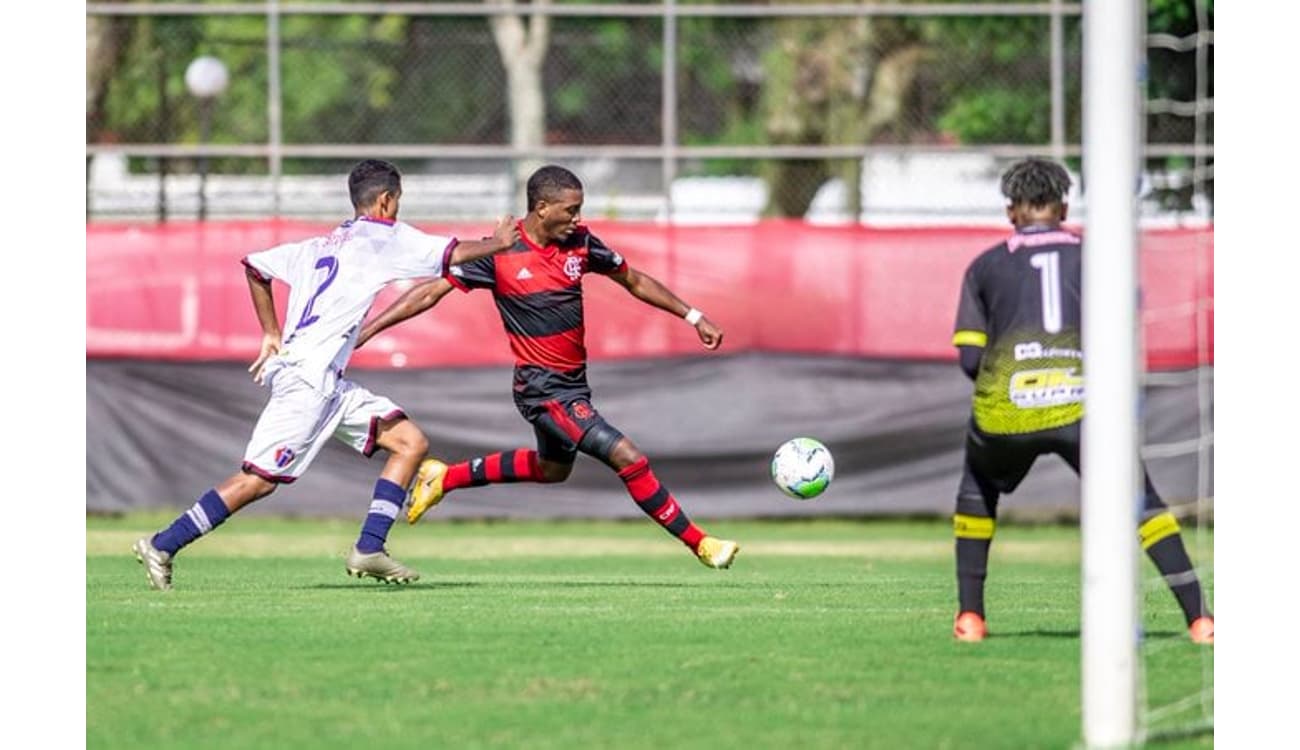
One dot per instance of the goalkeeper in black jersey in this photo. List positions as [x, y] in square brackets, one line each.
[1018, 332]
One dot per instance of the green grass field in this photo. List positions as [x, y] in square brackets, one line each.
[599, 635]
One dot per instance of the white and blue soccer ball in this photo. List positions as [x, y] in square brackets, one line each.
[803, 468]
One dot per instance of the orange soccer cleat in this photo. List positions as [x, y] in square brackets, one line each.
[1202, 630]
[969, 626]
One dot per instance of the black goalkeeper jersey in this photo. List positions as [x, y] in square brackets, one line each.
[1020, 301]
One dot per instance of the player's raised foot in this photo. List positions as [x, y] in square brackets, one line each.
[380, 566]
[1202, 630]
[426, 492]
[717, 553]
[157, 564]
[970, 627]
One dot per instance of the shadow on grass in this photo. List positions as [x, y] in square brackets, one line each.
[1036, 633]
[429, 586]
[512, 583]
[716, 583]
[1161, 635]
[1074, 633]
[381, 587]
[700, 584]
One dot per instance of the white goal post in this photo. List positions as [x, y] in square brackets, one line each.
[1111, 478]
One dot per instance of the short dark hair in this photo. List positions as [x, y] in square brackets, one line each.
[370, 178]
[547, 182]
[1036, 182]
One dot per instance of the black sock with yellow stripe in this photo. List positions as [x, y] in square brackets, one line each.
[1160, 538]
[974, 537]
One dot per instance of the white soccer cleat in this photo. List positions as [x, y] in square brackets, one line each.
[380, 566]
[157, 564]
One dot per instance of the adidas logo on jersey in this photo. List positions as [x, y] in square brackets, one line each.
[523, 274]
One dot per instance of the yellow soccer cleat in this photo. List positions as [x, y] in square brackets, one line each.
[717, 553]
[427, 490]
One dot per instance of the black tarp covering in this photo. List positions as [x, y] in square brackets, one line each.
[159, 434]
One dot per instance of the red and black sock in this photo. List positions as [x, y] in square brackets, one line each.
[657, 502]
[498, 468]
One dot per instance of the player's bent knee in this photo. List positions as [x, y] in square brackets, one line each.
[553, 472]
[417, 445]
[242, 489]
[976, 505]
[970, 504]
[607, 444]
[258, 486]
[625, 454]
[403, 438]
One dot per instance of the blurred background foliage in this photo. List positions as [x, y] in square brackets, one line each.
[741, 81]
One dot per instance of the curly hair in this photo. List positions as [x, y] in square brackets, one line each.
[1036, 182]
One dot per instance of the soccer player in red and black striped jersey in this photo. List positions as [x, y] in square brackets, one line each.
[1019, 334]
[537, 286]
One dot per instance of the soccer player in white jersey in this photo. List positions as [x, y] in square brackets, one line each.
[333, 280]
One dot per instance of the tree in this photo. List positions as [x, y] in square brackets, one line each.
[523, 48]
[106, 38]
[831, 81]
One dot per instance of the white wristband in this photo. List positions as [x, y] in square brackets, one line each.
[693, 316]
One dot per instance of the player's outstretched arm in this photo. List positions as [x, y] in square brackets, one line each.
[264, 304]
[505, 235]
[416, 300]
[650, 291]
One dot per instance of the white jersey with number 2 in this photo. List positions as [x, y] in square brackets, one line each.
[333, 280]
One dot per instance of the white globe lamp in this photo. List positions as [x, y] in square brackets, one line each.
[206, 77]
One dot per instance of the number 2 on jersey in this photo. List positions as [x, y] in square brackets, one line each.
[331, 264]
[1049, 271]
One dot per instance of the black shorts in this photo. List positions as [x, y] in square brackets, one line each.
[558, 405]
[1000, 462]
[996, 464]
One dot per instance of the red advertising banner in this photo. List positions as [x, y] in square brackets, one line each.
[177, 292]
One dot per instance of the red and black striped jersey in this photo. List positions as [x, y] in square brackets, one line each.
[538, 291]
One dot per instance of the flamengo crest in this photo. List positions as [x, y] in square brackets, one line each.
[573, 267]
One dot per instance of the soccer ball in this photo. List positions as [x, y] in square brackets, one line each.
[803, 468]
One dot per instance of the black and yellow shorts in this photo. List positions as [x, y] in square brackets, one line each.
[998, 463]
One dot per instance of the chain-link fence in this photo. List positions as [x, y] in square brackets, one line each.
[716, 111]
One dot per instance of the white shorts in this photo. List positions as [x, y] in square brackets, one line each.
[299, 420]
